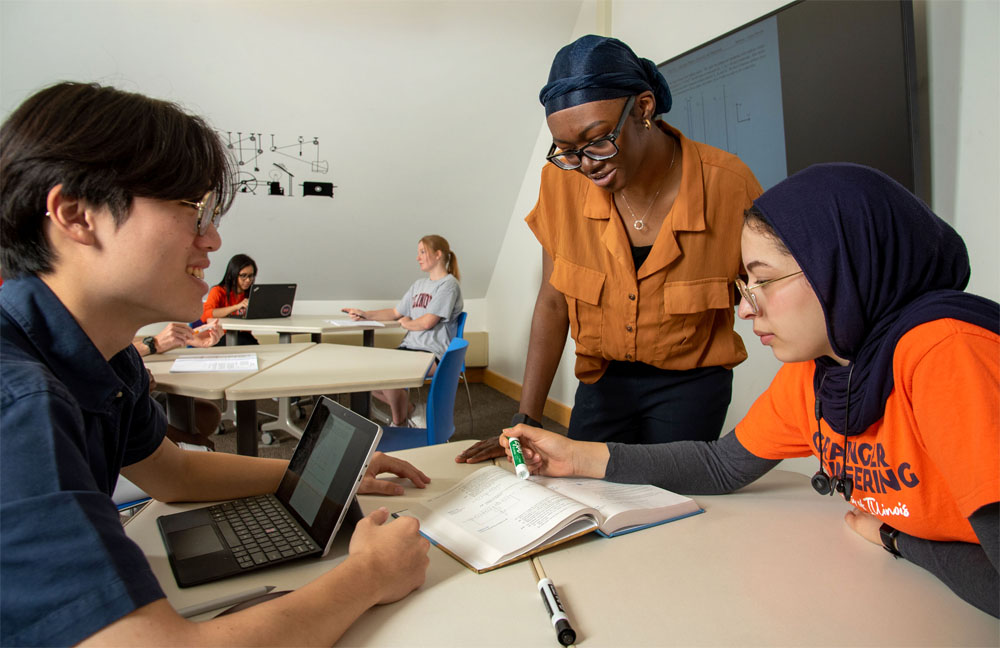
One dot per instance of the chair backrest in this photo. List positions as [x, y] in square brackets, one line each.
[441, 396]
[460, 332]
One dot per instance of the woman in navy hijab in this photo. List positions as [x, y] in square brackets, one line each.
[639, 229]
[891, 378]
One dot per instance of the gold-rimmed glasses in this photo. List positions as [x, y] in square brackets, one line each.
[747, 291]
[209, 211]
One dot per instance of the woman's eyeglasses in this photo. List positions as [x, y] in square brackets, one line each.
[747, 291]
[602, 148]
[243, 275]
[209, 211]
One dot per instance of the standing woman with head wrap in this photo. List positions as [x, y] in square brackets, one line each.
[640, 234]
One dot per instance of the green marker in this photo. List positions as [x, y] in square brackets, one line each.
[519, 467]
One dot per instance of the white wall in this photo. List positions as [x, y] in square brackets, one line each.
[964, 96]
[425, 111]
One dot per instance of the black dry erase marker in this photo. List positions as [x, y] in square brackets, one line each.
[553, 606]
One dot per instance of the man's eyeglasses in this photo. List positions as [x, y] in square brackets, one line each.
[209, 211]
[602, 148]
[747, 291]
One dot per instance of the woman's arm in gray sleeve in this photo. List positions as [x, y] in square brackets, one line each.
[689, 467]
[970, 570]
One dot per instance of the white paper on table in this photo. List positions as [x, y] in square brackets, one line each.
[226, 362]
[346, 323]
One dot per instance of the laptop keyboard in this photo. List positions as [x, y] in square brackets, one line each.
[259, 531]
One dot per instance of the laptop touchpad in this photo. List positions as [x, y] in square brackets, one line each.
[194, 542]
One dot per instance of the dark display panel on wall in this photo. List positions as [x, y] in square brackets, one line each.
[815, 81]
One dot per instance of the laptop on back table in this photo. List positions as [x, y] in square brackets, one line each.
[270, 300]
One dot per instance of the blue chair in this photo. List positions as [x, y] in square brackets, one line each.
[440, 406]
[461, 334]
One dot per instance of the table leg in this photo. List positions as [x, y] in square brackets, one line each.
[180, 413]
[361, 403]
[285, 421]
[246, 427]
[231, 338]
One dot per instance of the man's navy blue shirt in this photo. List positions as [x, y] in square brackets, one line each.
[69, 420]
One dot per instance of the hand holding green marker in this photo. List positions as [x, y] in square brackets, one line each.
[515, 453]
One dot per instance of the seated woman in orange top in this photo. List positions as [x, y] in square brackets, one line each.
[229, 298]
[640, 232]
[890, 379]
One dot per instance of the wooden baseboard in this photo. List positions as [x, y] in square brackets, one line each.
[553, 409]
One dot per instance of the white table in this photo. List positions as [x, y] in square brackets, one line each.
[285, 327]
[454, 607]
[182, 388]
[325, 369]
[315, 325]
[772, 565]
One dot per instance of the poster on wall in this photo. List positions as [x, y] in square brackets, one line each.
[268, 166]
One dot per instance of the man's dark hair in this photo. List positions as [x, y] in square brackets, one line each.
[230, 280]
[106, 147]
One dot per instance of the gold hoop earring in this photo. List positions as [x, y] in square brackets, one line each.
[646, 123]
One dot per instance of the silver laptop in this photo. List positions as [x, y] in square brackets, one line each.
[315, 497]
[270, 300]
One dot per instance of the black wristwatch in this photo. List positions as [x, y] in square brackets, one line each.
[889, 536]
[521, 417]
[150, 343]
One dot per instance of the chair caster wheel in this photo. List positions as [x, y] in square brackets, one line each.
[266, 438]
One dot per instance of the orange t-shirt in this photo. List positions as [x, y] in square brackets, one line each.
[933, 458]
[676, 312]
[218, 297]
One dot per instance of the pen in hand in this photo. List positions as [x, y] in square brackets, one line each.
[224, 601]
[550, 599]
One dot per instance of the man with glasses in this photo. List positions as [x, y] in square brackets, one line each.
[640, 235]
[97, 239]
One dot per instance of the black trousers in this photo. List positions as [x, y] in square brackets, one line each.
[637, 403]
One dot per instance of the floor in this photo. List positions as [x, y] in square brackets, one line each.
[492, 412]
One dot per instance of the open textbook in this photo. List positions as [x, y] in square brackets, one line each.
[492, 518]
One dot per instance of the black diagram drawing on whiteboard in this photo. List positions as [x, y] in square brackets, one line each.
[278, 159]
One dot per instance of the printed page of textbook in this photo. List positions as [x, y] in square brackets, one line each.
[492, 516]
[623, 506]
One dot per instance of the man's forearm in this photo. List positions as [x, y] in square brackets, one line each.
[315, 614]
[188, 476]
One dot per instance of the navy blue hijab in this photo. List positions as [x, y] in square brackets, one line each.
[593, 68]
[881, 263]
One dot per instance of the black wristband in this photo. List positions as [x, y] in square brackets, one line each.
[889, 535]
[150, 343]
[521, 417]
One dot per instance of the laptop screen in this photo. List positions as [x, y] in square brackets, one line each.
[319, 484]
[270, 300]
